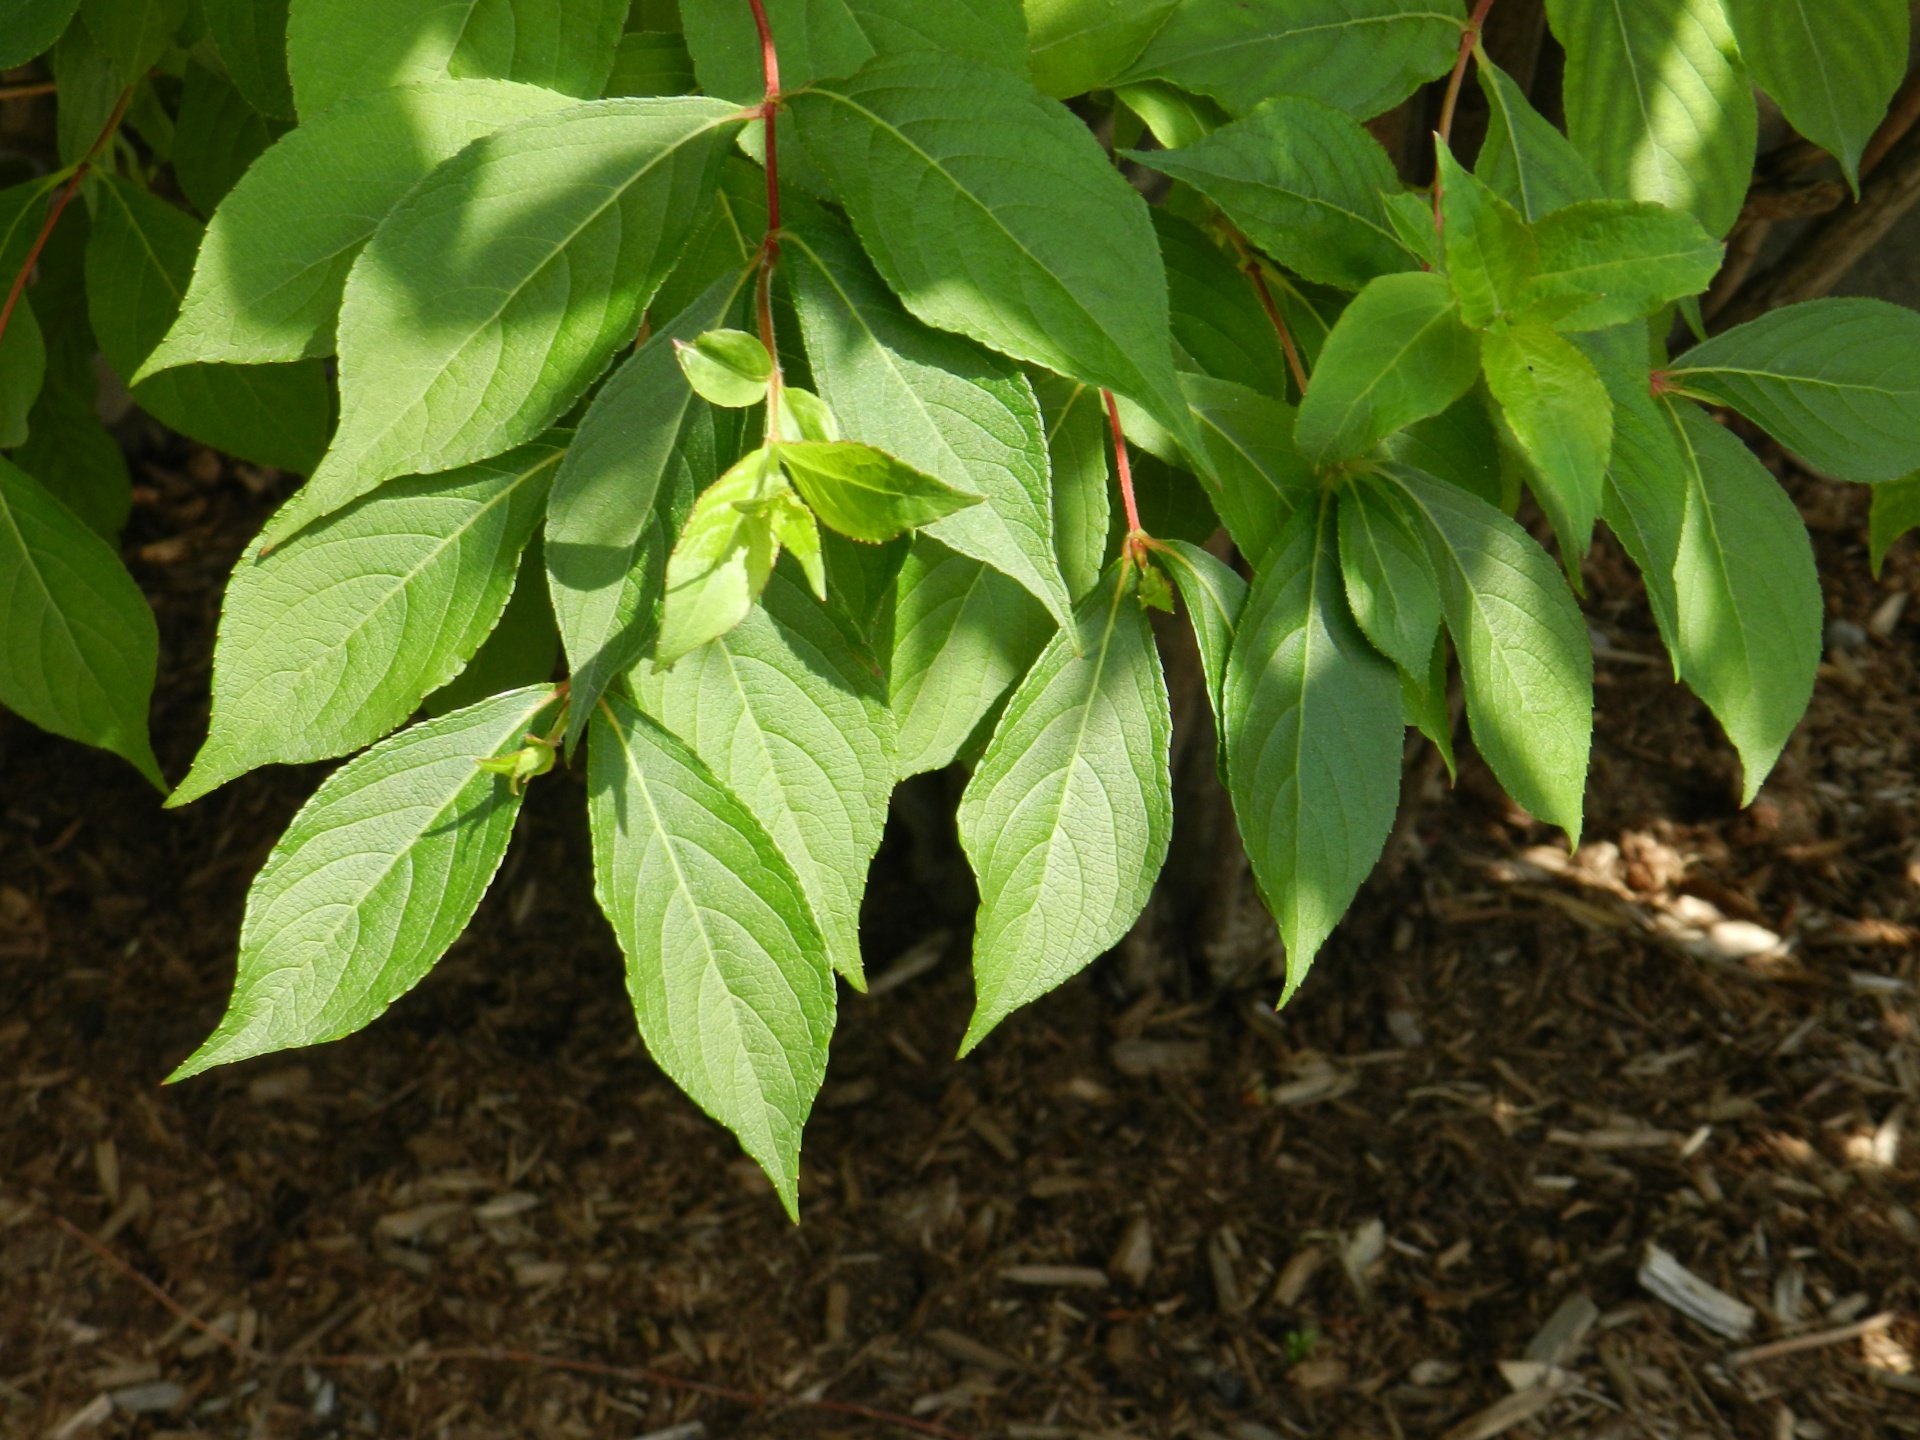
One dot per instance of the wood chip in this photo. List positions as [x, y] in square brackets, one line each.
[1619, 1139]
[1503, 1415]
[1666, 1279]
[1132, 1258]
[1299, 1272]
[415, 1222]
[96, 1411]
[968, 1351]
[1818, 1340]
[1143, 1058]
[1069, 1277]
[1561, 1337]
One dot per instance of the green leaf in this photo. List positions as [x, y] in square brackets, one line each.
[1364, 56]
[1895, 511]
[132, 33]
[1461, 446]
[1398, 354]
[1659, 102]
[1253, 472]
[1424, 704]
[77, 641]
[23, 370]
[1081, 45]
[1214, 596]
[1009, 191]
[1562, 418]
[251, 36]
[268, 279]
[1390, 582]
[1313, 738]
[1213, 321]
[865, 493]
[1489, 251]
[1832, 68]
[937, 402]
[643, 450]
[331, 641]
[726, 367]
[217, 137]
[1524, 160]
[1077, 455]
[89, 90]
[860, 588]
[28, 27]
[722, 559]
[963, 633]
[651, 62]
[1523, 647]
[1748, 598]
[1304, 181]
[337, 49]
[1174, 116]
[782, 712]
[1644, 502]
[991, 30]
[523, 649]
[1067, 818]
[500, 287]
[138, 262]
[1628, 259]
[725, 965]
[377, 875]
[67, 449]
[1836, 381]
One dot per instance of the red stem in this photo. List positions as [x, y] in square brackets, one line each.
[1123, 466]
[59, 208]
[1469, 40]
[770, 246]
[1279, 324]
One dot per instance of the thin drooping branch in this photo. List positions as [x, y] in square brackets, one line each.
[770, 246]
[1469, 42]
[1123, 466]
[1250, 267]
[59, 206]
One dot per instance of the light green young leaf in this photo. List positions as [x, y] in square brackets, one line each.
[1081, 45]
[782, 712]
[331, 641]
[268, 278]
[1067, 818]
[939, 403]
[729, 368]
[1562, 417]
[1748, 598]
[641, 453]
[1836, 381]
[1364, 56]
[1411, 215]
[23, 370]
[725, 964]
[1489, 250]
[1313, 734]
[1077, 455]
[499, 288]
[1254, 475]
[28, 27]
[1390, 582]
[722, 559]
[1832, 68]
[77, 641]
[796, 531]
[1631, 258]
[138, 262]
[1659, 102]
[805, 416]
[1523, 647]
[864, 493]
[377, 875]
[962, 633]
[132, 33]
[1895, 511]
[1212, 320]
[1008, 187]
[1304, 181]
[337, 49]
[1399, 353]
[217, 135]
[1524, 160]
[251, 37]
[1213, 595]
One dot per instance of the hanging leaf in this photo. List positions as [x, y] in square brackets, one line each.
[1067, 817]
[377, 875]
[332, 640]
[1524, 160]
[216, 137]
[251, 36]
[1561, 417]
[1081, 45]
[1626, 259]
[1077, 455]
[1389, 578]
[725, 965]
[1255, 474]
[1227, 337]
[1313, 734]
[1895, 511]
[28, 27]
[864, 493]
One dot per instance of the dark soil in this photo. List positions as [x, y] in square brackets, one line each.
[1508, 1076]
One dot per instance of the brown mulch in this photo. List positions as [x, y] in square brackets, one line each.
[1147, 1207]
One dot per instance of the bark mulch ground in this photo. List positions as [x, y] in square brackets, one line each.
[1417, 1202]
